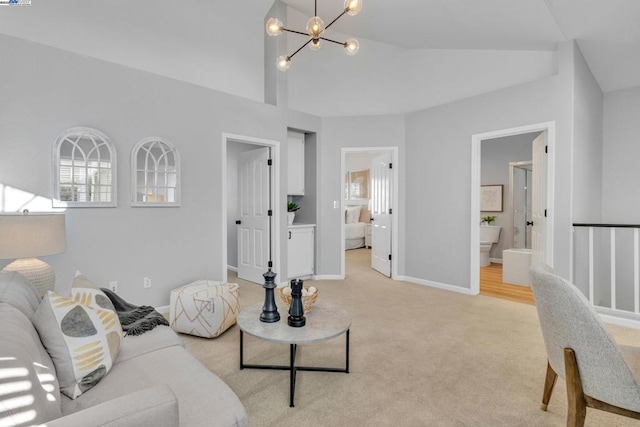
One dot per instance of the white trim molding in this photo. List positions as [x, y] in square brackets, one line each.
[327, 277]
[438, 285]
[395, 159]
[476, 141]
[275, 196]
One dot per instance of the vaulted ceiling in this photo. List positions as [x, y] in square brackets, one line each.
[414, 53]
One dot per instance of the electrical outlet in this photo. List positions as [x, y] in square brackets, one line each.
[113, 286]
[147, 282]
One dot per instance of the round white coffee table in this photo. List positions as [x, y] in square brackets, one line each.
[325, 321]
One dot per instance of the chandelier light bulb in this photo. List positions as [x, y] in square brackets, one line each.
[283, 63]
[351, 46]
[315, 44]
[352, 7]
[274, 26]
[315, 27]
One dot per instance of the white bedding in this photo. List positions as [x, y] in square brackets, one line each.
[354, 231]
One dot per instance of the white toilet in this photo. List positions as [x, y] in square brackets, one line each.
[489, 235]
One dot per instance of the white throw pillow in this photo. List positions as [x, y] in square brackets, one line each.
[78, 340]
[85, 292]
[353, 214]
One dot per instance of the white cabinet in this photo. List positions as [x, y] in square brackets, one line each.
[300, 250]
[295, 161]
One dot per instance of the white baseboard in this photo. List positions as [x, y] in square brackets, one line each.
[615, 317]
[327, 277]
[496, 260]
[232, 268]
[163, 309]
[438, 285]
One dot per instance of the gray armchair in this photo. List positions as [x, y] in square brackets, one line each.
[582, 351]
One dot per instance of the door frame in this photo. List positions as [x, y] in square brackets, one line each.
[275, 194]
[395, 203]
[476, 141]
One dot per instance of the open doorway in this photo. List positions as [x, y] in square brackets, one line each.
[511, 210]
[369, 176]
[248, 215]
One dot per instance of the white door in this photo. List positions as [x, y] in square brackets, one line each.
[254, 222]
[539, 198]
[381, 203]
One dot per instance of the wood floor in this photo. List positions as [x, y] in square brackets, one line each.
[491, 285]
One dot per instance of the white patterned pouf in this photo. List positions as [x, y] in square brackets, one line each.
[204, 308]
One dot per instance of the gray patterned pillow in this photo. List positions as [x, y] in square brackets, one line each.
[80, 340]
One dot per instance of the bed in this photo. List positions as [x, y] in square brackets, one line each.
[356, 219]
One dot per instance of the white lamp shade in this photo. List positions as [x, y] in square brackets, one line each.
[32, 235]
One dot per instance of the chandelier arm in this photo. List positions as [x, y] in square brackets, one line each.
[299, 49]
[315, 8]
[294, 31]
[337, 17]
[333, 41]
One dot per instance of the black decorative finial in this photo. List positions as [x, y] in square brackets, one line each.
[269, 309]
[296, 310]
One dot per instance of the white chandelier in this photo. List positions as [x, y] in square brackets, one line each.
[315, 29]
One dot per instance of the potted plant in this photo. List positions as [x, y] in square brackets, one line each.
[291, 211]
[489, 219]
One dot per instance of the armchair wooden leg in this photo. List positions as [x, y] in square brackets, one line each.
[577, 410]
[549, 382]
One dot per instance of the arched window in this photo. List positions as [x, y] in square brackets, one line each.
[155, 168]
[84, 169]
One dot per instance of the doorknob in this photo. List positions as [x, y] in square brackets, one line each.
[238, 222]
[289, 235]
[529, 222]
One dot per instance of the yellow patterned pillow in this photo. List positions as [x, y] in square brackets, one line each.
[85, 292]
[80, 340]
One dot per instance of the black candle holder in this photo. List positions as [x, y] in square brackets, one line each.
[296, 310]
[269, 309]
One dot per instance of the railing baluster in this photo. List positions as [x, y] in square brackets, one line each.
[613, 268]
[591, 265]
[636, 271]
[629, 313]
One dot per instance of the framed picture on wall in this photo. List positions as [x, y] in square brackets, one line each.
[358, 185]
[491, 198]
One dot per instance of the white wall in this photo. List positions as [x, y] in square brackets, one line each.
[620, 193]
[218, 45]
[439, 158]
[621, 151]
[496, 155]
[339, 132]
[46, 90]
[587, 105]
[587, 146]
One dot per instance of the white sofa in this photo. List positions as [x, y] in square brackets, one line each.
[154, 381]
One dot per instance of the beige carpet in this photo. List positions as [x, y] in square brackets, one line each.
[419, 356]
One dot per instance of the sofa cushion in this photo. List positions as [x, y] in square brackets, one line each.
[158, 338]
[203, 398]
[30, 392]
[82, 341]
[154, 406]
[85, 292]
[19, 292]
